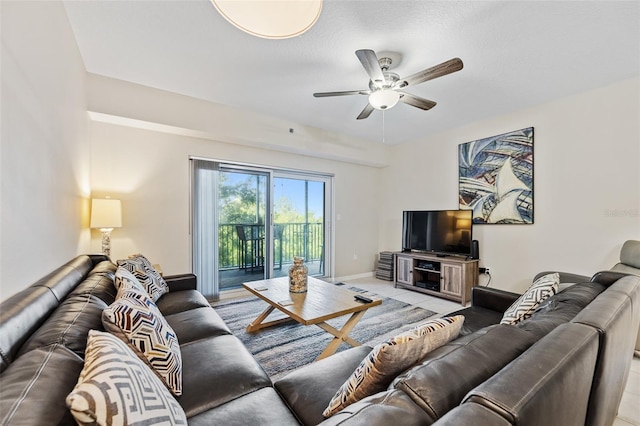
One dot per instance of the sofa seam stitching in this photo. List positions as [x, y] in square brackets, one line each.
[16, 405]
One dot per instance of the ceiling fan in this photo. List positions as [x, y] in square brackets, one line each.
[385, 86]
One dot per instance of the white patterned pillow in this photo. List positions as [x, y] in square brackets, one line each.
[137, 321]
[125, 279]
[541, 289]
[388, 359]
[116, 388]
[146, 274]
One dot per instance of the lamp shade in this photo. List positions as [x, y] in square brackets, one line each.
[384, 99]
[274, 19]
[106, 213]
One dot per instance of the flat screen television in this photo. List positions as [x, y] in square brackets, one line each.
[442, 232]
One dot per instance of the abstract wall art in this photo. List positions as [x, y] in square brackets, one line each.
[496, 178]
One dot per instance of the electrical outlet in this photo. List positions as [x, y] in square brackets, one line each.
[484, 271]
[487, 271]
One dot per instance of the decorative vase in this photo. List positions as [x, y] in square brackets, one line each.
[298, 276]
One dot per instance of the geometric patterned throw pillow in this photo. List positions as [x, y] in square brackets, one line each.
[116, 388]
[124, 278]
[541, 289]
[137, 321]
[146, 274]
[390, 358]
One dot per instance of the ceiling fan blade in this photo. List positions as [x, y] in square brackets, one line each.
[366, 112]
[371, 65]
[345, 93]
[448, 67]
[416, 101]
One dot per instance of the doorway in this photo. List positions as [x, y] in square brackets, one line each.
[249, 222]
[299, 212]
[243, 210]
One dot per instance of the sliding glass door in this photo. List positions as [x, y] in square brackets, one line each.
[250, 222]
[298, 222]
[243, 209]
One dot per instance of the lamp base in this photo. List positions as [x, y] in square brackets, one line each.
[106, 241]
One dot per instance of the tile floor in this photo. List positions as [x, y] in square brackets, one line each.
[629, 410]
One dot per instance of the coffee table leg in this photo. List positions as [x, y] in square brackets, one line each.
[341, 335]
[257, 323]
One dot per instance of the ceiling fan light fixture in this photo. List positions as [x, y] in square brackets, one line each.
[272, 19]
[384, 99]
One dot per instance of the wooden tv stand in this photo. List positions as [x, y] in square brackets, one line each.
[449, 277]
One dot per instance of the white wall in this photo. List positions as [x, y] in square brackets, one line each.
[45, 148]
[586, 185]
[587, 179]
[142, 139]
[149, 171]
[120, 102]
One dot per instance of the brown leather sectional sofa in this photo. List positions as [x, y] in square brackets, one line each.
[567, 365]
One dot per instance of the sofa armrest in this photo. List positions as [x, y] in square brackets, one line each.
[181, 282]
[565, 277]
[607, 277]
[492, 298]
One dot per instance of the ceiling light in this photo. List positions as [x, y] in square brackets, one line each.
[384, 99]
[274, 19]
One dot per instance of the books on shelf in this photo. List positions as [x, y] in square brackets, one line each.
[385, 266]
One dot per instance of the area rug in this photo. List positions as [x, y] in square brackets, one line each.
[285, 347]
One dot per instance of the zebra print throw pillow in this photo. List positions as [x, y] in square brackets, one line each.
[116, 388]
[390, 358]
[542, 289]
[146, 274]
[137, 321]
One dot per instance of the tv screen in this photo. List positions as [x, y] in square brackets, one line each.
[438, 231]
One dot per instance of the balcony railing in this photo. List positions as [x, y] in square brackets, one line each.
[242, 245]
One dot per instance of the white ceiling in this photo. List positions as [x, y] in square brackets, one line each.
[516, 54]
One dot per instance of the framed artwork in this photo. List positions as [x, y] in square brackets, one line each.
[496, 178]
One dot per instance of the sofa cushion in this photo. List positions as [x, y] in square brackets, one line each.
[561, 308]
[388, 359]
[262, 407]
[146, 274]
[116, 387]
[548, 384]
[308, 389]
[443, 378]
[615, 314]
[180, 301]
[33, 388]
[135, 319]
[471, 413]
[98, 285]
[391, 407]
[217, 370]
[103, 267]
[66, 278]
[209, 324]
[541, 289]
[69, 324]
[20, 316]
[476, 318]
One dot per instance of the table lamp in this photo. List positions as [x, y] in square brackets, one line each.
[106, 214]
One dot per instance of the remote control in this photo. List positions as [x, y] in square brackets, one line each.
[363, 299]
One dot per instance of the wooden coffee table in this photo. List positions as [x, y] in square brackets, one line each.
[321, 302]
